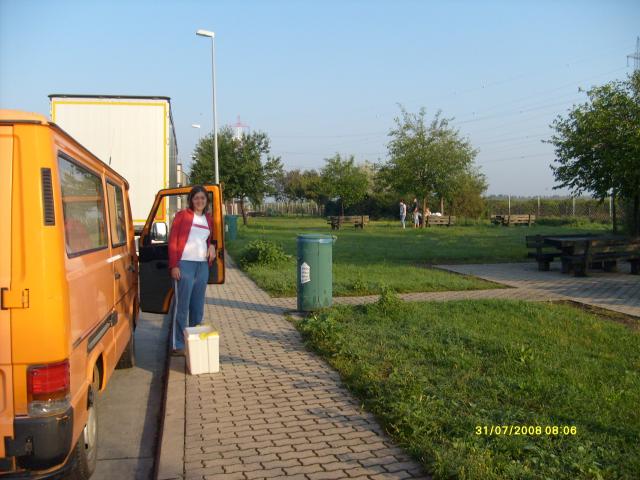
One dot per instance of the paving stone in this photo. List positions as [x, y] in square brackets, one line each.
[275, 409]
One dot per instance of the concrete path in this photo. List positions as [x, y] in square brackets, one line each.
[129, 410]
[275, 410]
[619, 292]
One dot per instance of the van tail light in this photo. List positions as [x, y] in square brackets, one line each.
[48, 389]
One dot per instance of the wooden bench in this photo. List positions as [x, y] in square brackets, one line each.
[497, 219]
[605, 254]
[543, 257]
[508, 220]
[441, 220]
[359, 221]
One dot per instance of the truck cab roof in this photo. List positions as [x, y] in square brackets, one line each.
[17, 116]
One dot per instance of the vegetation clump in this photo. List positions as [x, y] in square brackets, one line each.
[262, 252]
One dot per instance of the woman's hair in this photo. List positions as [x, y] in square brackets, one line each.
[193, 192]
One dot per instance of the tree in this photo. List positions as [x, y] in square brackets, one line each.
[314, 188]
[597, 146]
[467, 200]
[427, 159]
[294, 186]
[246, 168]
[342, 178]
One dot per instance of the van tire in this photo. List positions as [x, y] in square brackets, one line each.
[85, 454]
[128, 358]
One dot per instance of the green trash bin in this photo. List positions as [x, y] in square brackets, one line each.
[314, 275]
[230, 227]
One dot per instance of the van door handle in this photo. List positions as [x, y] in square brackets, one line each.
[117, 275]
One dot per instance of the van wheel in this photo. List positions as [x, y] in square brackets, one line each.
[128, 358]
[85, 453]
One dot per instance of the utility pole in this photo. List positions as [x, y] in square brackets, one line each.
[635, 56]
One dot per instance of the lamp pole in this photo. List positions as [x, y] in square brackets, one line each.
[207, 33]
[197, 125]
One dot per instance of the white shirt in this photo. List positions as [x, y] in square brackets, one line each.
[196, 248]
[403, 209]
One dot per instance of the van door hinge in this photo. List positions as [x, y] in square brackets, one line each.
[15, 298]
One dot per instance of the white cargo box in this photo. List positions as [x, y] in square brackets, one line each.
[203, 349]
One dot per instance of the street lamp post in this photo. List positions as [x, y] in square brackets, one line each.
[197, 125]
[207, 33]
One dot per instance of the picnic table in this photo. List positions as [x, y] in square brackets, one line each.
[579, 253]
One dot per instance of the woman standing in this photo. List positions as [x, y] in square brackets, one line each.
[190, 254]
[416, 213]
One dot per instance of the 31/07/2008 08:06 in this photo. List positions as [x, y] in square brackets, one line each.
[526, 430]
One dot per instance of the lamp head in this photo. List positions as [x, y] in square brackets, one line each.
[205, 33]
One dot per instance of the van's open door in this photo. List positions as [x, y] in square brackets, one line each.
[156, 289]
[6, 378]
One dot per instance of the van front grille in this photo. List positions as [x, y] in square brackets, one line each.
[47, 197]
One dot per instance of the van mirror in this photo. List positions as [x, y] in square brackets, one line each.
[159, 232]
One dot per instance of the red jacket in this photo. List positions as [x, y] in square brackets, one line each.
[179, 234]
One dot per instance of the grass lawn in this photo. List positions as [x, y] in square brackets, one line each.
[433, 372]
[364, 261]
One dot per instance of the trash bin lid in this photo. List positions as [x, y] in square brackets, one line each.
[315, 238]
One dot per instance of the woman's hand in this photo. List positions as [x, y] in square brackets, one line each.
[211, 255]
[175, 273]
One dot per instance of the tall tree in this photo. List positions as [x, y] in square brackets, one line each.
[467, 200]
[597, 146]
[426, 159]
[344, 179]
[294, 185]
[246, 168]
[314, 188]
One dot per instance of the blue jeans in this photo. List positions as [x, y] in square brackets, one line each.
[188, 299]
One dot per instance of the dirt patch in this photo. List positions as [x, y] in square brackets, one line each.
[628, 320]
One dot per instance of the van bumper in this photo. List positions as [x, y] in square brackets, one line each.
[61, 473]
[40, 443]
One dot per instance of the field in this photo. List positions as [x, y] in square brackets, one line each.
[436, 374]
[383, 255]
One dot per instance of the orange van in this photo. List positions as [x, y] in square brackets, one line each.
[69, 276]
[68, 273]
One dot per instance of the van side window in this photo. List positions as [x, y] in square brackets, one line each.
[83, 208]
[116, 215]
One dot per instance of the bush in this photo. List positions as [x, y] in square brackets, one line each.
[262, 252]
[388, 302]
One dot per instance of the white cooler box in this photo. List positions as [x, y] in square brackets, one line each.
[203, 349]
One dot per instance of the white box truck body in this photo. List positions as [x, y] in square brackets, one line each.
[134, 135]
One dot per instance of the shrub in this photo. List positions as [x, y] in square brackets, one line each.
[389, 300]
[262, 252]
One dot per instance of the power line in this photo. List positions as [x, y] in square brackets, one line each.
[518, 157]
[471, 119]
[635, 56]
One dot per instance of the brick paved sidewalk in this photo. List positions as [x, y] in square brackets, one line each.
[274, 410]
[277, 410]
